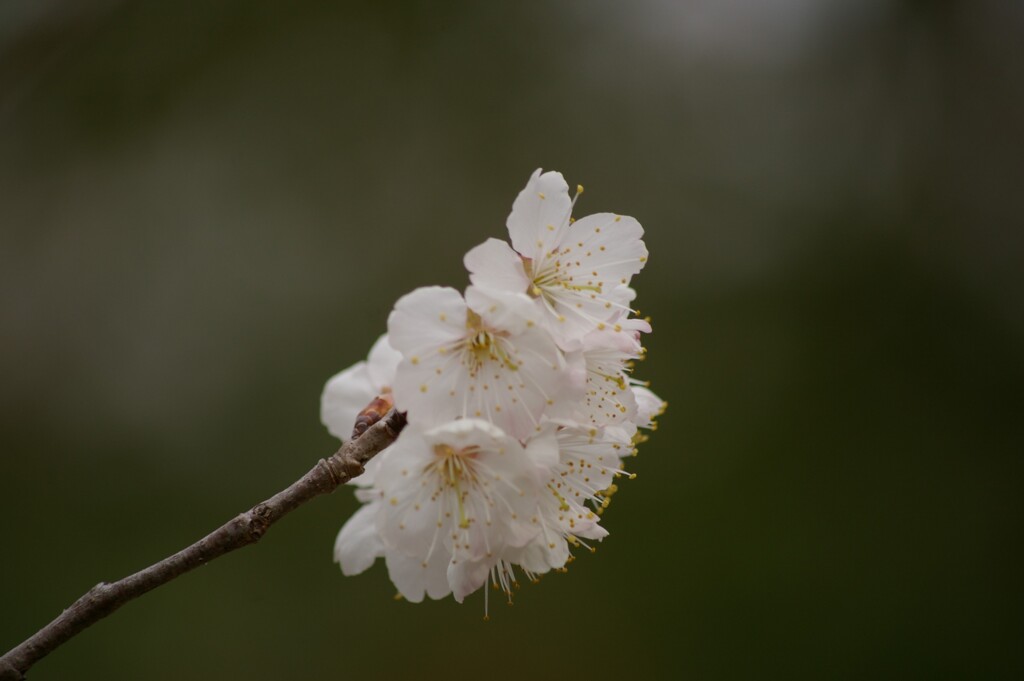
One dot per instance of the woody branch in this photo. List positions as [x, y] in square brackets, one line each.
[246, 528]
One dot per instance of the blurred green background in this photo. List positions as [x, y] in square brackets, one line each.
[206, 209]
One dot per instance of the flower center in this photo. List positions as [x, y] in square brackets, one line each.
[550, 276]
[454, 468]
[482, 346]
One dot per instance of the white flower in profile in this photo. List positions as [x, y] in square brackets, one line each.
[576, 465]
[608, 400]
[446, 503]
[349, 391]
[455, 365]
[576, 272]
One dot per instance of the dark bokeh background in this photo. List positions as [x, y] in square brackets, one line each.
[208, 208]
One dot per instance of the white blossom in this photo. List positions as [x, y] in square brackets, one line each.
[445, 504]
[520, 401]
[576, 272]
[608, 399]
[576, 466]
[455, 365]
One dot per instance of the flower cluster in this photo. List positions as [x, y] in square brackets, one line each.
[519, 400]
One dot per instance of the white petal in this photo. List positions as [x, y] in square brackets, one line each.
[510, 379]
[634, 325]
[463, 490]
[573, 314]
[498, 512]
[622, 433]
[608, 339]
[466, 433]
[542, 554]
[542, 380]
[494, 265]
[382, 363]
[428, 317]
[590, 531]
[413, 577]
[465, 577]
[427, 387]
[437, 578]
[611, 245]
[424, 326]
[367, 494]
[358, 543]
[542, 449]
[607, 399]
[344, 396]
[505, 310]
[590, 450]
[408, 520]
[584, 279]
[539, 214]
[649, 406]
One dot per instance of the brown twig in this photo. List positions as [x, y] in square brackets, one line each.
[245, 529]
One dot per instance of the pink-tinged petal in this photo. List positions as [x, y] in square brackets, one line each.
[428, 317]
[344, 396]
[382, 363]
[539, 214]
[358, 543]
[494, 265]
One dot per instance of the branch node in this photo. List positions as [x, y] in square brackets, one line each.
[331, 470]
[258, 521]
